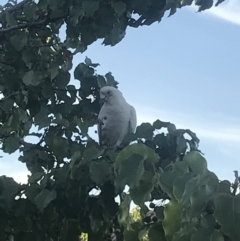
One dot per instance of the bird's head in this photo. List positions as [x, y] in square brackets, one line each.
[110, 95]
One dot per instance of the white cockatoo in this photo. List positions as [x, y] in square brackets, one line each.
[116, 118]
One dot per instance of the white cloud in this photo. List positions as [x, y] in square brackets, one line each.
[20, 177]
[217, 128]
[228, 10]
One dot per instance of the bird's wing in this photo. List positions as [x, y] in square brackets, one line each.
[99, 128]
[133, 120]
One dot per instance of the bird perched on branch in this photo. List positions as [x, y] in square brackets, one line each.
[116, 118]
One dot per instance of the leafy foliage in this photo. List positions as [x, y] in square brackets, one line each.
[71, 192]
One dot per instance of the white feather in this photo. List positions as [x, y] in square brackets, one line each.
[116, 118]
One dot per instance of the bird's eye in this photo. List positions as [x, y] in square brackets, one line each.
[109, 92]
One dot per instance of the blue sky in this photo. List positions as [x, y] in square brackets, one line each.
[184, 70]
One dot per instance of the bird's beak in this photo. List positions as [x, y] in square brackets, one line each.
[102, 98]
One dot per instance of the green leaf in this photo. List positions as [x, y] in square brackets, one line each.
[181, 145]
[61, 174]
[207, 234]
[130, 235]
[110, 79]
[179, 185]
[41, 118]
[124, 207]
[156, 233]
[88, 61]
[160, 124]
[203, 5]
[227, 214]
[198, 200]
[142, 193]
[43, 199]
[82, 70]
[181, 167]
[159, 212]
[32, 78]
[10, 20]
[19, 41]
[8, 190]
[216, 236]
[28, 57]
[224, 187]
[81, 173]
[91, 154]
[60, 146]
[130, 171]
[186, 2]
[32, 191]
[166, 181]
[119, 7]
[54, 72]
[172, 218]
[70, 230]
[35, 177]
[196, 162]
[129, 166]
[30, 9]
[100, 172]
[101, 81]
[11, 144]
[62, 79]
[145, 130]
[90, 7]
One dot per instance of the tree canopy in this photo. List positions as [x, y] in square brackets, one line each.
[66, 164]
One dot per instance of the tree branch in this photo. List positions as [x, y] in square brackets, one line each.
[7, 96]
[32, 24]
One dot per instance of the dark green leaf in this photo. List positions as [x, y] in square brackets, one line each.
[172, 218]
[43, 199]
[11, 144]
[110, 79]
[142, 192]
[227, 213]
[145, 130]
[196, 162]
[19, 41]
[159, 212]
[99, 171]
[11, 21]
[129, 166]
[90, 7]
[32, 78]
[70, 230]
[119, 7]
[92, 153]
[224, 187]
[8, 190]
[101, 81]
[156, 233]
[130, 235]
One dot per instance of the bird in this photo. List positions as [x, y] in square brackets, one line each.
[116, 118]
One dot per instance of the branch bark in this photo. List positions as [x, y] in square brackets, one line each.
[32, 24]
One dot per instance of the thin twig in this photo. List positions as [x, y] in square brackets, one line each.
[12, 94]
[31, 24]
[5, 63]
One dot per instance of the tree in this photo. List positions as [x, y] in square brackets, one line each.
[66, 164]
